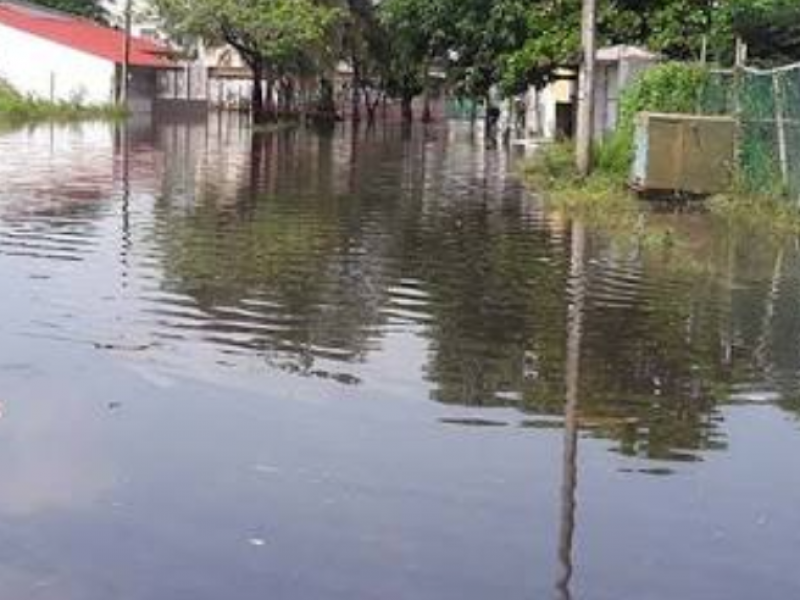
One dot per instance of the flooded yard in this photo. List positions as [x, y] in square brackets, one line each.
[316, 364]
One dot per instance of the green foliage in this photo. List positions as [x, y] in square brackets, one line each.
[757, 214]
[552, 167]
[91, 9]
[269, 31]
[668, 88]
[277, 39]
[600, 201]
[366, 45]
[552, 41]
[771, 28]
[16, 108]
[674, 28]
[483, 33]
[417, 38]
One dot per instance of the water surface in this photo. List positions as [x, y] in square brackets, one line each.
[312, 364]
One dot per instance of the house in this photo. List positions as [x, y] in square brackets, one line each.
[59, 57]
[144, 22]
[550, 112]
[617, 68]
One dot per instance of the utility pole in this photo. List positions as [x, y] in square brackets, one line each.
[126, 56]
[586, 85]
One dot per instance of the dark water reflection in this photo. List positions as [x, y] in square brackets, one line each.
[317, 364]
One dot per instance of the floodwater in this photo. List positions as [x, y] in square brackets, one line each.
[316, 365]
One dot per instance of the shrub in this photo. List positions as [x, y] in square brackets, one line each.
[16, 107]
[669, 87]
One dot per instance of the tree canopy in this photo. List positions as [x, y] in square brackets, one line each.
[92, 9]
[771, 28]
[480, 45]
[271, 36]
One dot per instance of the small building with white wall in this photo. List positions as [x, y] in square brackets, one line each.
[551, 111]
[617, 68]
[54, 56]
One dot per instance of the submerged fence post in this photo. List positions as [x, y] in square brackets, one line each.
[780, 126]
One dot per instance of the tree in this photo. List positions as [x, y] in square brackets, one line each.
[91, 9]
[271, 36]
[418, 30]
[771, 28]
[483, 33]
[366, 47]
[674, 28]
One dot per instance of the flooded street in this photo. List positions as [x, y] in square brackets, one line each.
[322, 365]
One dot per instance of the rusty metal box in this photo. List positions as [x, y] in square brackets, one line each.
[683, 153]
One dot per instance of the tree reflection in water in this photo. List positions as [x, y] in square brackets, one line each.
[309, 249]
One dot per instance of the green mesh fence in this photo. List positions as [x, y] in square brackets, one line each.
[767, 104]
[463, 109]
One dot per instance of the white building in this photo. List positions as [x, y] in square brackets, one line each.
[550, 112]
[144, 20]
[617, 68]
[58, 57]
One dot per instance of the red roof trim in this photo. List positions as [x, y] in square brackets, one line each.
[84, 35]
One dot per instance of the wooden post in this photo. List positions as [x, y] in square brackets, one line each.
[741, 52]
[585, 130]
[780, 126]
[704, 51]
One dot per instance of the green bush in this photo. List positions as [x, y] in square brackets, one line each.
[14, 107]
[552, 167]
[669, 87]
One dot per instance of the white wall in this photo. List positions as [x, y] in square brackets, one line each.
[542, 106]
[606, 98]
[34, 65]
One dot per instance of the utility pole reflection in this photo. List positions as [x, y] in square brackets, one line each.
[569, 484]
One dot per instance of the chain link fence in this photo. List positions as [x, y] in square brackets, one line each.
[767, 105]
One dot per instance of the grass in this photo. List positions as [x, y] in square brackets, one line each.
[601, 201]
[16, 108]
[604, 202]
[763, 214]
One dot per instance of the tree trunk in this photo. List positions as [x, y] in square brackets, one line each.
[327, 103]
[407, 104]
[286, 97]
[427, 116]
[291, 96]
[372, 105]
[356, 92]
[270, 110]
[257, 99]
